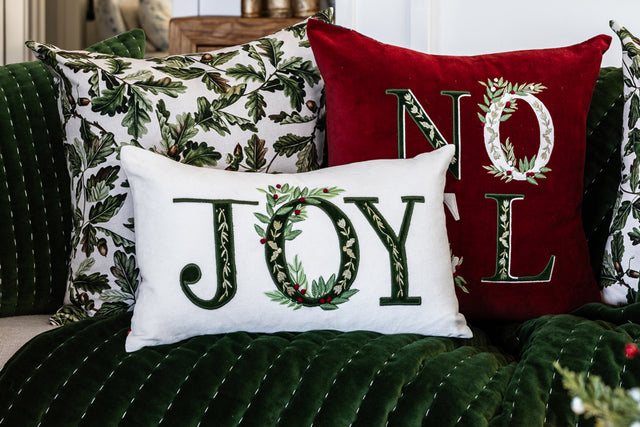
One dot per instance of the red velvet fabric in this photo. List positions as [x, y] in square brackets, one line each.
[503, 256]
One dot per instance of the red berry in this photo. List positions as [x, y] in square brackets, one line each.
[631, 350]
[299, 300]
[275, 196]
[322, 301]
[303, 291]
[263, 241]
[329, 299]
[325, 190]
[296, 286]
[509, 173]
[513, 92]
[508, 104]
[278, 186]
[297, 212]
[302, 200]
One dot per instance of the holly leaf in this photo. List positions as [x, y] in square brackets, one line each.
[221, 58]
[633, 142]
[103, 211]
[93, 283]
[99, 149]
[246, 73]
[182, 73]
[200, 154]
[288, 119]
[634, 111]
[634, 235]
[137, 116]
[216, 82]
[165, 86]
[126, 273]
[272, 49]
[290, 144]
[256, 152]
[111, 308]
[127, 245]
[178, 61]
[241, 122]
[184, 129]
[293, 90]
[88, 240]
[74, 159]
[620, 219]
[117, 65]
[617, 247]
[307, 159]
[255, 106]
[307, 71]
[209, 119]
[111, 102]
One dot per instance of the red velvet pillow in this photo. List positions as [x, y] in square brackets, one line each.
[518, 120]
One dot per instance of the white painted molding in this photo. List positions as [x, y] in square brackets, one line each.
[15, 22]
[186, 7]
[3, 49]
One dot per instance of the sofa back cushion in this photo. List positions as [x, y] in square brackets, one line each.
[35, 204]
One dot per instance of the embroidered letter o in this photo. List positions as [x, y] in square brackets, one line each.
[492, 135]
[275, 254]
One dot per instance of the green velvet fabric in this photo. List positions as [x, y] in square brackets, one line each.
[602, 161]
[79, 374]
[35, 204]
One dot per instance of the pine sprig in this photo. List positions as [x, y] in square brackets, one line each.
[594, 399]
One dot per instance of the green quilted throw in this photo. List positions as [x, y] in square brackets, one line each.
[79, 375]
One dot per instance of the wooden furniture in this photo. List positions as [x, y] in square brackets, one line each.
[205, 33]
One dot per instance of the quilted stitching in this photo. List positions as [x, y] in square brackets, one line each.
[34, 185]
[80, 374]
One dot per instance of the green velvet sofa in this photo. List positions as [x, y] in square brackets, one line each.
[80, 374]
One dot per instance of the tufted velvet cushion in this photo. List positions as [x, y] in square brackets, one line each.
[35, 205]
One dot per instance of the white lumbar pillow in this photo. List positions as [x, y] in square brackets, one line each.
[361, 246]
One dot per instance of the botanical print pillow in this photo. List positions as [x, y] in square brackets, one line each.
[621, 263]
[255, 107]
[518, 122]
[362, 246]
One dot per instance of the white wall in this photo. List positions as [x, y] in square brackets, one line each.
[206, 7]
[464, 27]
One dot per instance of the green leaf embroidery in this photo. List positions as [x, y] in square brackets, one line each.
[272, 49]
[105, 210]
[293, 90]
[93, 283]
[117, 65]
[126, 274]
[200, 154]
[182, 73]
[256, 152]
[164, 85]
[290, 144]
[214, 81]
[247, 73]
[255, 106]
[220, 58]
[293, 118]
[137, 116]
[111, 102]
